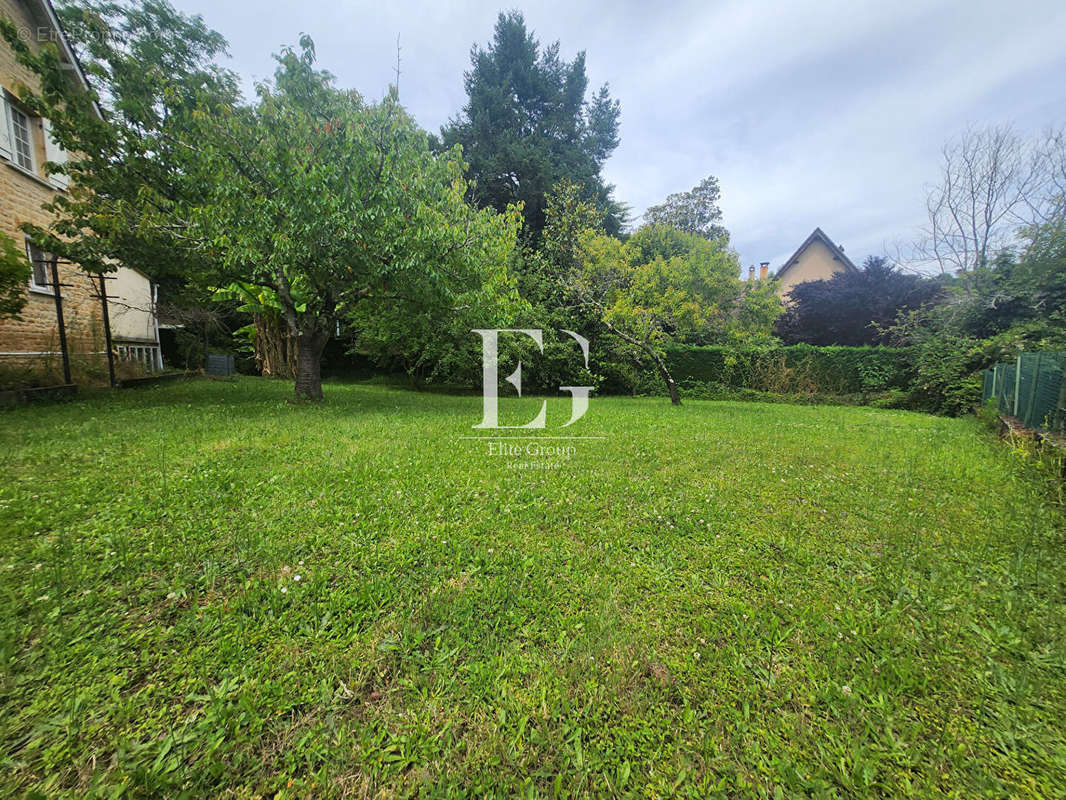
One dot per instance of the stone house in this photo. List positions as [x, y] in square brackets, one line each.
[25, 185]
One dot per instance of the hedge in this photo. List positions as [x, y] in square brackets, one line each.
[792, 369]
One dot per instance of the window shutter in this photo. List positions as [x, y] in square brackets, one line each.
[53, 152]
[5, 129]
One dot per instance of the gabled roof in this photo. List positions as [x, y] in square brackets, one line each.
[818, 235]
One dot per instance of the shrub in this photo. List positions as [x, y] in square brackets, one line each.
[796, 369]
[947, 377]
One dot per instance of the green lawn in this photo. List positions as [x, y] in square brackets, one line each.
[206, 589]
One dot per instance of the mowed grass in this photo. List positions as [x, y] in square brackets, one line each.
[207, 591]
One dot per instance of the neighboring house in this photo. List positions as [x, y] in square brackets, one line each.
[131, 303]
[817, 259]
[25, 184]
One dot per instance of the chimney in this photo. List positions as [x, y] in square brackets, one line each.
[751, 272]
[764, 267]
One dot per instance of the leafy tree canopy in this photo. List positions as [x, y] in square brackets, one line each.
[333, 202]
[661, 284]
[853, 308]
[527, 124]
[695, 211]
[310, 192]
[14, 272]
[152, 69]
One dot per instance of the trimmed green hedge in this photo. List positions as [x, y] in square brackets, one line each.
[794, 369]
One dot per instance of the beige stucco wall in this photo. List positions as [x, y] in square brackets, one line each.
[130, 307]
[815, 263]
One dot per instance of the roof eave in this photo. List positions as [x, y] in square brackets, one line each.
[820, 235]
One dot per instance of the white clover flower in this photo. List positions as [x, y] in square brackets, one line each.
[284, 589]
[845, 690]
[297, 577]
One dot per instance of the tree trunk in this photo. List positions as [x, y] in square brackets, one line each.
[309, 347]
[275, 348]
[675, 398]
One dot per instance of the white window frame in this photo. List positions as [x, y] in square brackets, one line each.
[54, 152]
[45, 288]
[5, 128]
[13, 112]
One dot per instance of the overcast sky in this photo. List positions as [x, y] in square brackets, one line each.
[826, 114]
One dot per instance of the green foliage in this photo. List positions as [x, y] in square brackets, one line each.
[992, 313]
[695, 211]
[948, 373]
[14, 276]
[731, 600]
[336, 203]
[854, 308]
[1019, 298]
[433, 340]
[527, 125]
[795, 368]
[660, 284]
[988, 414]
[152, 68]
[544, 279]
[754, 315]
[323, 200]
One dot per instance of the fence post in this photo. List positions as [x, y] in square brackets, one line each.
[1017, 385]
[107, 331]
[1029, 421]
[57, 288]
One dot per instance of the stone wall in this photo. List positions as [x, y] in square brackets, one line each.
[21, 197]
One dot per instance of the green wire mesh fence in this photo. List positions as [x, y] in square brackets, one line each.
[1031, 389]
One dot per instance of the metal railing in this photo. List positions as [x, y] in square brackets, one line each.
[1031, 389]
[149, 356]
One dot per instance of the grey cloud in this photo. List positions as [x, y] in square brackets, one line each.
[826, 114]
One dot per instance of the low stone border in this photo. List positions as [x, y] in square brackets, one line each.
[38, 394]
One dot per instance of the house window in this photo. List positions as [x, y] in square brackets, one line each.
[21, 138]
[41, 277]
